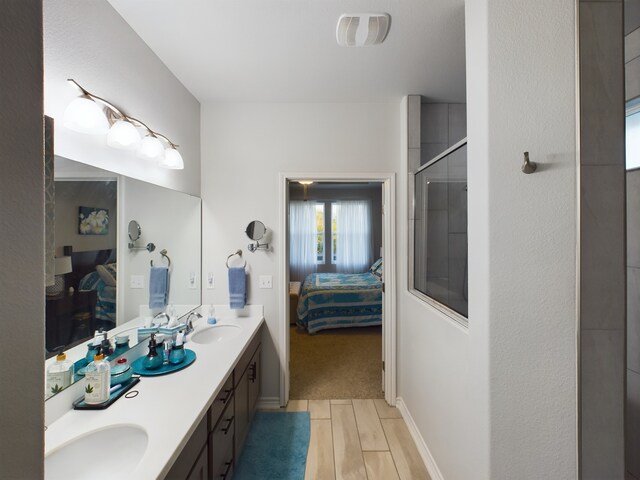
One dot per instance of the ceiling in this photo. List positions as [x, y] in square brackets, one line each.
[286, 50]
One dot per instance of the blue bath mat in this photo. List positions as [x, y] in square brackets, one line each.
[276, 447]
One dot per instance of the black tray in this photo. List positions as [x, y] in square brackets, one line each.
[80, 405]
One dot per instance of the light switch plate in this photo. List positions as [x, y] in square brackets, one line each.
[211, 281]
[192, 280]
[137, 281]
[266, 281]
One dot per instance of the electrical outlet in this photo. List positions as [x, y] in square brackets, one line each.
[266, 281]
[137, 281]
[192, 280]
[211, 281]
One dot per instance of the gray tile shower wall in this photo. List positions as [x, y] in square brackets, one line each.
[633, 324]
[602, 235]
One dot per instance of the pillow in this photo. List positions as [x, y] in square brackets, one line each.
[376, 268]
[108, 273]
[376, 265]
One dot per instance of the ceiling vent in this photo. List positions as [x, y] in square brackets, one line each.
[362, 29]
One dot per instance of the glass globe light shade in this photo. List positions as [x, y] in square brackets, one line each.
[85, 116]
[151, 148]
[123, 134]
[172, 159]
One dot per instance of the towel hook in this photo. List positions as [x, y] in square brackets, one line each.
[528, 166]
[163, 252]
[239, 253]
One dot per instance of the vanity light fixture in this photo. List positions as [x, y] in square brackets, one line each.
[94, 115]
[86, 116]
[150, 148]
[123, 134]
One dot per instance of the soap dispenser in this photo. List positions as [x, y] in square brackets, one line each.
[94, 347]
[59, 374]
[97, 380]
[153, 360]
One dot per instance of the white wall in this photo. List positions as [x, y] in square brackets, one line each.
[171, 220]
[521, 94]
[244, 148]
[499, 401]
[435, 359]
[91, 43]
[21, 240]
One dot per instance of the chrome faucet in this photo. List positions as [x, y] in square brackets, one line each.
[189, 323]
[161, 315]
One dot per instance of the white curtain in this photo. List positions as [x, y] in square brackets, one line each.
[303, 234]
[354, 243]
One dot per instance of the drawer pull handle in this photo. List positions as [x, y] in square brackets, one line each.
[227, 396]
[229, 422]
[254, 372]
[226, 471]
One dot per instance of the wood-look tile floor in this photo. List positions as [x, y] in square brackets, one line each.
[359, 439]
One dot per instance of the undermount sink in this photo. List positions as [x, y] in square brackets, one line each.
[216, 333]
[111, 452]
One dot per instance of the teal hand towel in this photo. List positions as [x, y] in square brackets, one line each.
[158, 287]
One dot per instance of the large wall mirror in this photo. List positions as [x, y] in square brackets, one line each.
[96, 277]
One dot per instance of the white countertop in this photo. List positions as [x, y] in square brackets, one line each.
[168, 407]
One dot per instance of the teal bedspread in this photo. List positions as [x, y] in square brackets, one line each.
[337, 300]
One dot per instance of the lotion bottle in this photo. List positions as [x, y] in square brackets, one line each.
[97, 381]
[59, 374]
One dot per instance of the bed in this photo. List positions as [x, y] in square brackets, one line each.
[339, 300]
[102, 280]
[97, 270]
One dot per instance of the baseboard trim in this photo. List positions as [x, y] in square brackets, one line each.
[427, 458]
[268, 403]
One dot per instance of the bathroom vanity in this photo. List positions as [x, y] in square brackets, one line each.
[191, 424]
[216, 444]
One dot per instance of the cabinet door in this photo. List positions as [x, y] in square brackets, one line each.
[221, 442]
[254, 382]
[200, 469]
[242, 411]
[190, 454]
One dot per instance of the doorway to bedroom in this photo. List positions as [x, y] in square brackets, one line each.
[338, 238]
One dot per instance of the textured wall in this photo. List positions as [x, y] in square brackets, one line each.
[245, 146]
[521, 89]
[21, 240]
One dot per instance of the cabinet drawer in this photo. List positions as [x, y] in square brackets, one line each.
[243, 363]
[189, 455]
[224, 398]
[221, 441]
[225, 471]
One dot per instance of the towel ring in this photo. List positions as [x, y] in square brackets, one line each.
[239, 253]
[163, 252]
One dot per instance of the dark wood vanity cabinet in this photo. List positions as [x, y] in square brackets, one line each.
[193, 456]
[222, 422]
[247, 391]
[214, 448]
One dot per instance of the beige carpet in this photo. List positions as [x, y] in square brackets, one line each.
[333, 364]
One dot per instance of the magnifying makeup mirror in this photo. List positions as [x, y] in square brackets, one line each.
[256, 231]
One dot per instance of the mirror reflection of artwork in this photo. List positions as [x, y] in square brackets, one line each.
[93, 221]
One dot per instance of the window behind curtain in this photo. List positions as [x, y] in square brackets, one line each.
[354, 239]
[320, 235]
